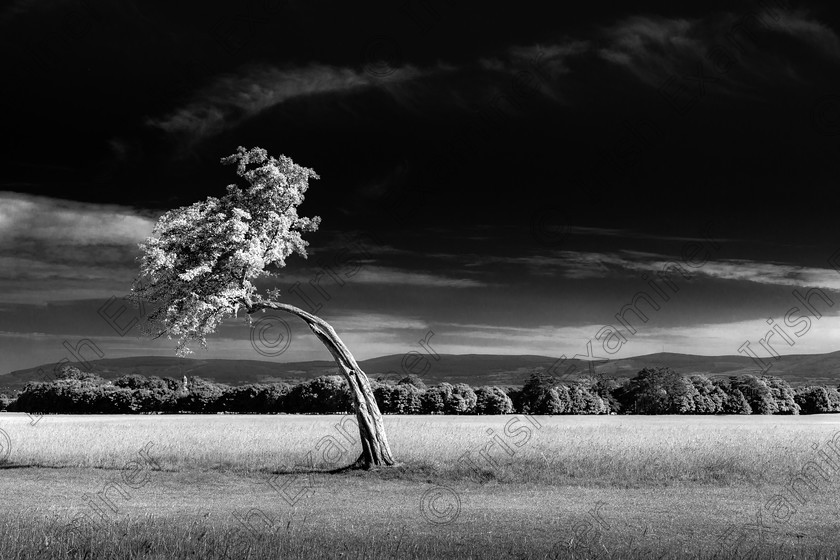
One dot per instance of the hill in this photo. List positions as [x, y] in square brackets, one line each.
[474, 369]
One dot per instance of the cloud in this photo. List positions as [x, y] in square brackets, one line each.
[654, 49]
[773, 273]
[819, 36]
[62, 221]
[743, 270]
[57, 250]
[31, 269]
[24, 350]
[724, 339]
[368, 335]
[779, 274]
[383, 275]
[233, 98]
[590, 265]
[639, 235]
[533, 68]
[648, 46]
[593, 264]
[707, 339]
[364, 322]
[357, 242]
[566, 264]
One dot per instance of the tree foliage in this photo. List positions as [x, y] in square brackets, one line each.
[323, 395]
[651, 391]
[818, 400]
[661, 391]
[200, 263]
[492, 400]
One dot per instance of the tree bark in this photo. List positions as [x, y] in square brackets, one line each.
[375, 448]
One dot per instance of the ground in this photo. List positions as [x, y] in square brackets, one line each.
[545, 487]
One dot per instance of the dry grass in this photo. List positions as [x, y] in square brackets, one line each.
[670, 486]
[583, 450]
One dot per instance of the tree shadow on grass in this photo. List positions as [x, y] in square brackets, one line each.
[8, 466]
[397, 467]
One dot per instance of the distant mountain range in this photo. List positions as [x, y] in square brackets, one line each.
[474, 369]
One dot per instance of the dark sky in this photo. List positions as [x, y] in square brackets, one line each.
[516, 174]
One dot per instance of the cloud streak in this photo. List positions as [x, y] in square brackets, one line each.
[707, 339]
[66, 222]
[587, 265]
[656, 48]
[392, 276]
[233, 98]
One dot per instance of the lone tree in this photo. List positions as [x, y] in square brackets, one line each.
[198, 268]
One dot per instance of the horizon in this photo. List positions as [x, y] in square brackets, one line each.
[442, 355]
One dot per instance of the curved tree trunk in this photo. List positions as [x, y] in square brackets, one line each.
[375, 448]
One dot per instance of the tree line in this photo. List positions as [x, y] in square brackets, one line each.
[650, 391]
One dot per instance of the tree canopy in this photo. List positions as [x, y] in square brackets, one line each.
[200, 263]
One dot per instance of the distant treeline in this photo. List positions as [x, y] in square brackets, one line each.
[651, 391]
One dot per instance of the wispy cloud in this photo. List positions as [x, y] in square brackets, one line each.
[392, 276]
[364, 322]
[232, 98]
[649, 46]
[798, 24]
[780, 274]
[773, 273]
[533, 68]
[584, 265]
[709, 339]
[385, 275]
[565, 264]
[656, 48]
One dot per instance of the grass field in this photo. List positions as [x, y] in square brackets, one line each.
[542, 487]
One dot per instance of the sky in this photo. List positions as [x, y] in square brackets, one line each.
[497, 180]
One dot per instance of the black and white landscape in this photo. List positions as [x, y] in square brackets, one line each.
[419, 280]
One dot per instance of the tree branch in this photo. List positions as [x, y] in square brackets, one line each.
[321, 328]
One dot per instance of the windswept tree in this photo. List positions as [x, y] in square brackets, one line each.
[200, 264]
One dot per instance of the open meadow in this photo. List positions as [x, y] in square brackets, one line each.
[227, 486]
